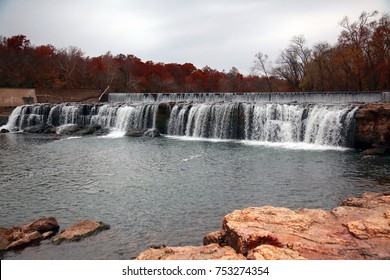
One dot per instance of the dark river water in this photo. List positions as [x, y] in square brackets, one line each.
[165, 190]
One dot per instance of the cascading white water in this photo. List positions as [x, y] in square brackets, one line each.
[268, 122]
[27, 115]
[210, 121]
[113, 116]
[273, 122]
[279, 97]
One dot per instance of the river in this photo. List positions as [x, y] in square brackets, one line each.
[170, 190]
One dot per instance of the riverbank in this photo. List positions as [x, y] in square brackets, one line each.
[359, 229]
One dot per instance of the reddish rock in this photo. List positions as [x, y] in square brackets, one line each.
[373, 126]
[269, 252]
[208, 252]
[42, 225]
[26, 235]
[218, 237]
[358, 229]
[28, 239]
[80, 230]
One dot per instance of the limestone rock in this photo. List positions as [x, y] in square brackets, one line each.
[373, 126]
[132, 132]
[80, 230]
[209, 252]
[28, 239]
[218, 237]
[251, 227]
[22, 236]
[87, 130]
[42, 225]
[314, 234]
[152, 132]
[369, 200]
[39, 128]
[269, 252]
[68, 129]
[358, 229]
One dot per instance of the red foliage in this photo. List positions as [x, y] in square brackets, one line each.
[360, 61]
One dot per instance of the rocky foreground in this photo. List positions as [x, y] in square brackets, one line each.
[358, 229]
[19, 237]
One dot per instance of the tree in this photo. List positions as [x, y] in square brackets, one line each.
[16, 62]
[45, 68]
[319, 74]
[292, 62]
[357, 37]
[68, 59]
[262, 66]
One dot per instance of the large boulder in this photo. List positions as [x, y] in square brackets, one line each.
[152, 132]
[80, 230]
[134, 132]
[26, 235]
[68, 129]
[39, 128]
[42, 225]
[88, 130]
[358, 229]
[373, 126]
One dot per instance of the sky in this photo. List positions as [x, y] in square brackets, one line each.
[218, 33]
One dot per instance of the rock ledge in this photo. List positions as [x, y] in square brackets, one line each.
[358, 229]
[80, 230]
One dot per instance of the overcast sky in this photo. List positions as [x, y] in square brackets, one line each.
[217, 33]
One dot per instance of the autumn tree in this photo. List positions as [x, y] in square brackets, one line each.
[45, 70]
[320, 74]
[16, 62]
[365, 47]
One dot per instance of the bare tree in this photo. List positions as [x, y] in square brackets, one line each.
[68, 59]
[292, 62]
[263, 67]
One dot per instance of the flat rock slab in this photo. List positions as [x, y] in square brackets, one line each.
[358, 229]
[208, 252]
[80, 230]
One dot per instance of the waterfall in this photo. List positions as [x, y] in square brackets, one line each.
[113, 116]
[218, 116]
[268, 122]
[280, 97]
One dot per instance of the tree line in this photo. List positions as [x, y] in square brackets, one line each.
[28, 66]
[360, 61]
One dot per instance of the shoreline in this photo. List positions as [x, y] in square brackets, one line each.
[358, 229]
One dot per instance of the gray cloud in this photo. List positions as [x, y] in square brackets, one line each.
[218, 33]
